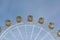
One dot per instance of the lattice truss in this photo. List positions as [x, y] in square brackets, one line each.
[29, 30]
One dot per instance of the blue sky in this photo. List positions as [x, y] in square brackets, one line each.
[49, 9]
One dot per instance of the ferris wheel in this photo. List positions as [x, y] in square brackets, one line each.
[27, 30]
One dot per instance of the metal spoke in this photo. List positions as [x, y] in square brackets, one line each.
[19, 32]
[25, 30]
[44, 36]
[38, 34]
[12, 34]
[32, 32]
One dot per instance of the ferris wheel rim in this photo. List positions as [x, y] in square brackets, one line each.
[8, 29]
[19, 24]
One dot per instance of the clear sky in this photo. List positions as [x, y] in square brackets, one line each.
[49, 9]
